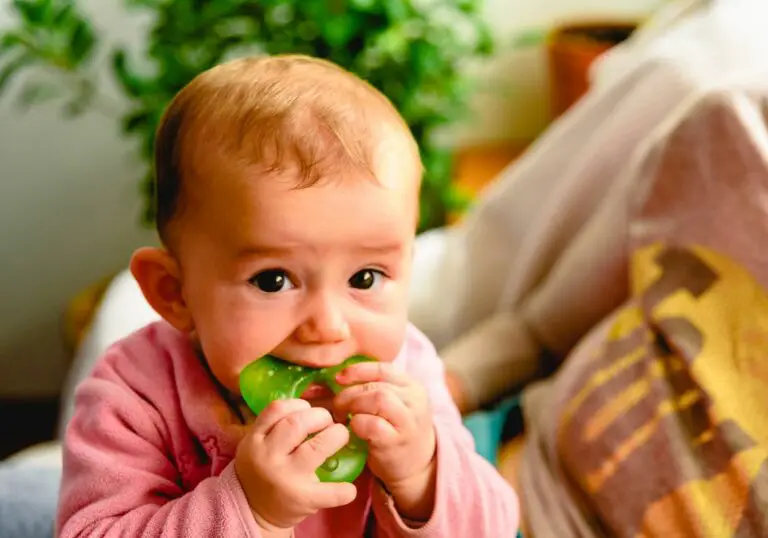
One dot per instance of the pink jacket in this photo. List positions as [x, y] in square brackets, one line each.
[149, 453]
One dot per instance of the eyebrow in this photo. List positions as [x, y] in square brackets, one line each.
[385, 248]
[278, 251]
[263, 251]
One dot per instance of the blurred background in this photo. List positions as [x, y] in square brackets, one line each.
[83, 83]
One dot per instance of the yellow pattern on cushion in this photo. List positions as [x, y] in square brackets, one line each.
[682, 379]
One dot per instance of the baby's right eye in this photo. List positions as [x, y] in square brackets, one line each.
[272, 281]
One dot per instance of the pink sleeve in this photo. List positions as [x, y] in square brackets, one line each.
[472, 498]
[119, 481]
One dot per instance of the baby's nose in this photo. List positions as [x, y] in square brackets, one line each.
[325, 324]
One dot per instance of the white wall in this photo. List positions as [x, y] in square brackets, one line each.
[68, 191]
[68, 216]
[512, 100]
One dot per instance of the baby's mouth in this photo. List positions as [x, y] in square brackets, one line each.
[319, 395]
[316, 391]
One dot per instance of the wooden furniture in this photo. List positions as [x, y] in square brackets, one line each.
[477, 166]
[571, 49]
[80, 311]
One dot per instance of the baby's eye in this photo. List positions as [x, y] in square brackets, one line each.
[272, 281]
[365, 279]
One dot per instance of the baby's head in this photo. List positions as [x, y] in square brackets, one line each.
[287, 201]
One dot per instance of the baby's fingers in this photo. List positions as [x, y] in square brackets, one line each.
[324, 495]
[371, 372]
[275, 412]
[313, 452]
[292, 429]
[376, 399]
[374, 430]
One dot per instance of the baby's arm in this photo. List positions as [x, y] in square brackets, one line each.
[119, 481]
[471, 497]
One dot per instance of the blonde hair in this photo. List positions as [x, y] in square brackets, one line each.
[275, 112]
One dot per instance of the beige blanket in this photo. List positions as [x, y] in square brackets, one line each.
[657, 424]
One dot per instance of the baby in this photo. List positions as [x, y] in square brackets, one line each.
[287, 201]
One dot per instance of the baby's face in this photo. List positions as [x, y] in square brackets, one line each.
[311, 275]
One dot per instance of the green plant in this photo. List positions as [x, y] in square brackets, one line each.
[412, 50]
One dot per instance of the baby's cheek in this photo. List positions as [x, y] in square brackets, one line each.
[225, 363]
[384, 339]
[228, 348]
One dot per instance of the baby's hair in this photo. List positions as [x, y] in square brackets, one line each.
[270, 114]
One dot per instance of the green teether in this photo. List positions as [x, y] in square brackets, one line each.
[269, 378]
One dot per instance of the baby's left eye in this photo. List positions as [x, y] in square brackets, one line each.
[365, 279]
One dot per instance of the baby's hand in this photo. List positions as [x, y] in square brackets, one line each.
[392, 413]
[276, 464]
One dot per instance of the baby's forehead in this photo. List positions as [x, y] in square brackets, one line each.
[385, 154]
[337, 212]
[392, 168]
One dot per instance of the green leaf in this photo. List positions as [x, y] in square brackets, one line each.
[363, 5]
[486, 44]
[470, 7]
[10, 41]
[35, 93]
[75, 108]
[152, 4]
[13, 67]
[82, 42]
[397, 10]
[147, 148]
[34, 12]
[339, 30]
[136, 120]
[82, 99]
[64, 16]
[456, 199]
[438, 162]
[147, 189]
[281, 14]
[131, 84]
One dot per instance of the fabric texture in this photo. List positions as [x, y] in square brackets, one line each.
[29, 490]
[656, 424]
[149, 452]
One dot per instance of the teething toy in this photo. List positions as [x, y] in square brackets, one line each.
[269, 378]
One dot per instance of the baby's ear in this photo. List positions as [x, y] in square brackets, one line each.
[159, 277]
